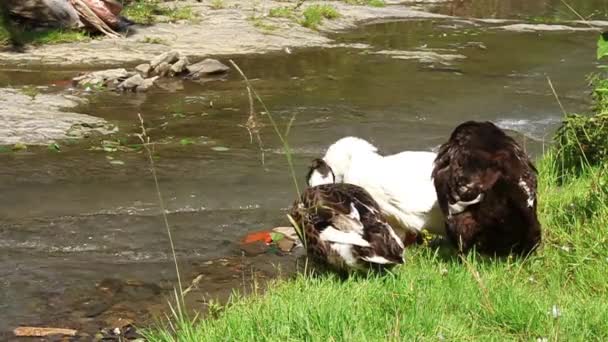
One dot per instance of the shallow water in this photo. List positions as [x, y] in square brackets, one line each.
[70, 219]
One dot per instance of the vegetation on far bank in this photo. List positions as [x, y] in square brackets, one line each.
[140, 11]
[558, 293]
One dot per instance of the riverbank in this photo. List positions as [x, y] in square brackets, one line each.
[553, 295]
[232, 27]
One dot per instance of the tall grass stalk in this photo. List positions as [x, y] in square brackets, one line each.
[275, 126]
[251, 122]
[145, 139]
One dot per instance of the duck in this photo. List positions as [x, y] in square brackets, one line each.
[400, 183]
[487, 190]
[342, 227]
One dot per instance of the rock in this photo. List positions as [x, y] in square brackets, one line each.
[102, 78]
[286, 245]
[254, 248]
[162, 69]
[288, 232]
[206, 67]
[44, 119]
[170, 84]
[179, 66]
[58, 13]
[131, 83]
[144, 69]
[42, 331]
[146, 84]
[167, 57]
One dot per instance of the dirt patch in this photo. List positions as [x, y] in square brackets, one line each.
[241, 27]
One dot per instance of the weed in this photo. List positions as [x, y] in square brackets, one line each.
[41, 37]
[144, 11]
[182, 13]
[581, 141]
[373, 3]
[314, 15]
[218, 4]
[261, 24]
[282, 12]
[154, 40]
[30, 91]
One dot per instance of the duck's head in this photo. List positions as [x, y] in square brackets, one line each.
[337, 160]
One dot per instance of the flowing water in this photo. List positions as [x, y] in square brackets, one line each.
[72, 221]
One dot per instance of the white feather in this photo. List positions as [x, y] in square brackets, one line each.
[376, 259]
[400, 183]
[460, 206]
[316, 178]
[526, 189]
[331, 234]
[346, 253]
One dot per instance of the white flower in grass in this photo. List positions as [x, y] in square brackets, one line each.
[555, 311]
[542, 339]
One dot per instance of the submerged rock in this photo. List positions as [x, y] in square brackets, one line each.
[103, 77]
[146, 84]
[207, 67]
[41, 121]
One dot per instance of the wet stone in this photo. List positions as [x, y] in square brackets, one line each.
[100, 78]
[146, 84]
[131, 83]
[254, 248]
[167, 57]
[179, 66]
[162, 69]
[285, 244]
[206, 67]
[144, 69]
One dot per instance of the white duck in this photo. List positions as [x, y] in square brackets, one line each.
[401, 183]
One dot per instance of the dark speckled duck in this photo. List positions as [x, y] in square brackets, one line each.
[344, 228]
[486, 188]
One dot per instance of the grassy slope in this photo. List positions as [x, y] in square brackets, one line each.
[559, 293]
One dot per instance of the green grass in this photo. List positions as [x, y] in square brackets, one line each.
[40, 37]
[182, 13]
[313, 15]
[144, 11]
[373, 3]
[218, 4]
[147, 11]
[281, 12]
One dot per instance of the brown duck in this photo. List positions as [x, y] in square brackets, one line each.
[486, 188]
[343, 227]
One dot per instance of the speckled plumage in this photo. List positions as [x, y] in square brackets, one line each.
[486, 188]
[359, 229]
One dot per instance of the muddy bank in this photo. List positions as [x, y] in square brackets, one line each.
[40, 119]
[238, 28]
